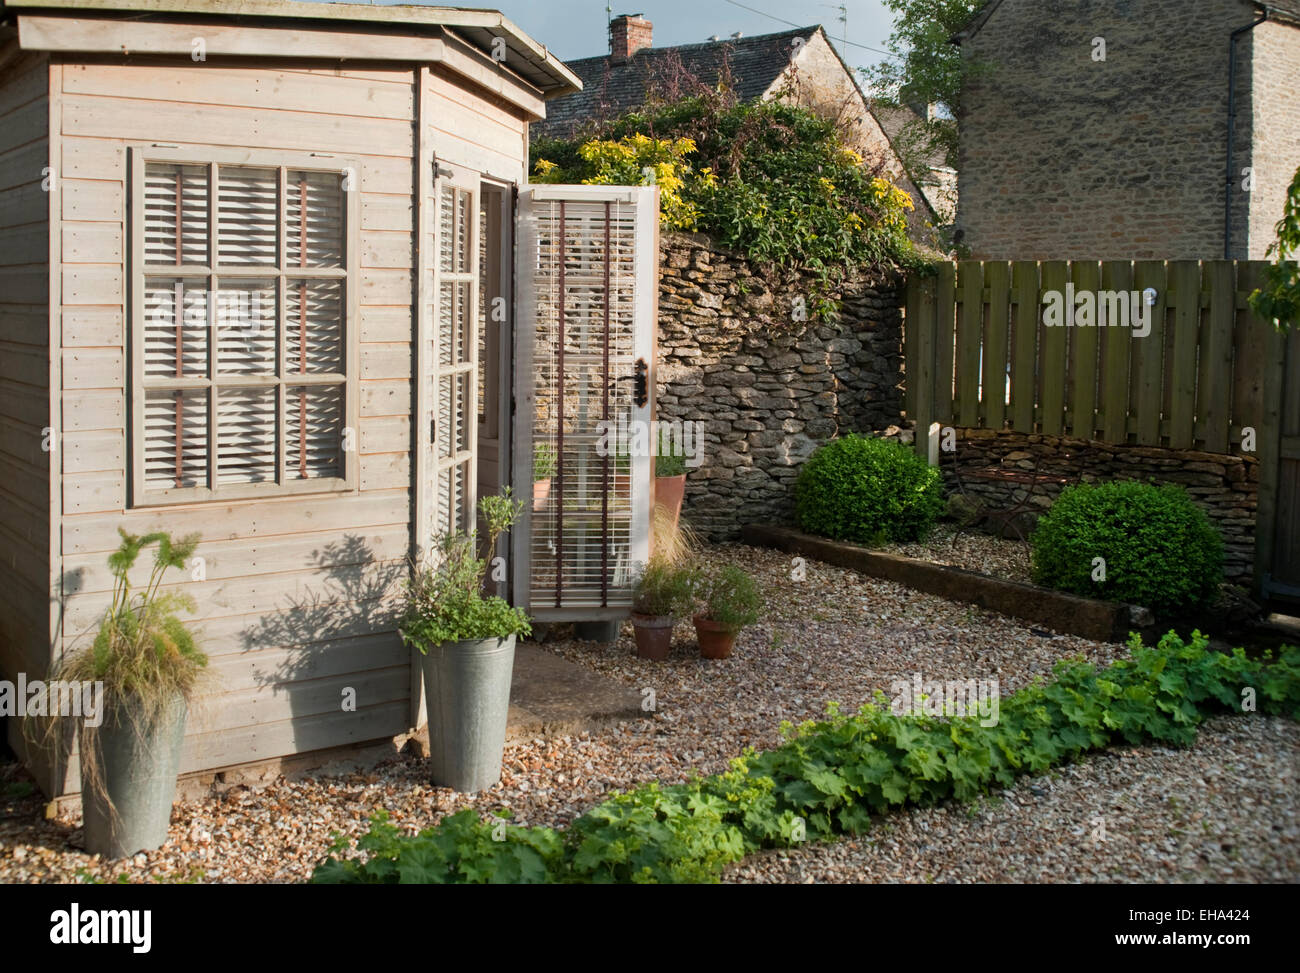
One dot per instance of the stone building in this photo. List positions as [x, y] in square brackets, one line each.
[800, 65]
[929, 170]
[1099, 129]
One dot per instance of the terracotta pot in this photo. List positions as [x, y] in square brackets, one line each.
[716, 640]
[654, 636]
[669, 491]
[541, 492]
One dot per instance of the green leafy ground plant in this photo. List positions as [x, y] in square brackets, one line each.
[837, 775]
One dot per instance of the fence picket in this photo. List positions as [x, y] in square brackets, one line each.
[944, 340]
[1086, 275]
[1024, 371]
[1055, 354]
[1214, 385]
[997, 274]
[1116, 275]
[925, 366]
[970, 333]
[1185, 282]
[1149, 357]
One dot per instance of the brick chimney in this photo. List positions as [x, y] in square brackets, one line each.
[628, 33]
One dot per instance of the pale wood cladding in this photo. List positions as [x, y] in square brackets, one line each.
[25, 463]
[299, 594]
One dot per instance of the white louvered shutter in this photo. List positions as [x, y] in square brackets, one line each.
[587, 280]
[243, 360]
[453, 351]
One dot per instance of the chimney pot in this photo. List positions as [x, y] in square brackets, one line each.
[628, 33]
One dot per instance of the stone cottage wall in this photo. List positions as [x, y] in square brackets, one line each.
[1276, 121]
[1225, 486]
[768, 390]
[1065, 157]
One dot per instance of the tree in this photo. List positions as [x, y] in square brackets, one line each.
[927, 67]
[1279, 299]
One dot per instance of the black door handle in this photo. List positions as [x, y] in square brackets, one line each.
[640, 383]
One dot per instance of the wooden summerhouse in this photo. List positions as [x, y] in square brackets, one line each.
[272, 272]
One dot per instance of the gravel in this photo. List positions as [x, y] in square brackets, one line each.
[828, 635]
[1002, 558]
[1223, 810]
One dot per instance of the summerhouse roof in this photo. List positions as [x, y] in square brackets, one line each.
[528, 59]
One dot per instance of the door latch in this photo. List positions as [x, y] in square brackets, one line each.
[640, 380]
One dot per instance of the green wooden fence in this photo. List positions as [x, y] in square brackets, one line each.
[980, 354]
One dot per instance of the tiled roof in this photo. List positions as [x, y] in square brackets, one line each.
[611, 90]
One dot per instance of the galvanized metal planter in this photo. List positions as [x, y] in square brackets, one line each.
[129, 808]
[467, 692]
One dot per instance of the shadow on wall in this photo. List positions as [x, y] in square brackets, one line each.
[334, 650]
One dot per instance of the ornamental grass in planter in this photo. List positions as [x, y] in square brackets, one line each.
[467, 640]
[729, 600]
[146, 667]
[661, 595]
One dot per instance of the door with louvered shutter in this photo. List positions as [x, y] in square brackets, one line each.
[453, 254]
[584, 350]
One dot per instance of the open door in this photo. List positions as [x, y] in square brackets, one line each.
[450, 357]
[584, 396]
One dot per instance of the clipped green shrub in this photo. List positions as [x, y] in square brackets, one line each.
[1159, 549]
[867, 490]
[831, 777]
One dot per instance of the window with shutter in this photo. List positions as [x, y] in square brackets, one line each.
[244, 281]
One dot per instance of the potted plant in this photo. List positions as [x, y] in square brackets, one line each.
[467, 640]
[730, 600]
[143, 666]
[660, 596]
[543, 469]
[670, 481]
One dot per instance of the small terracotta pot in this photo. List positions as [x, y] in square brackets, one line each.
[654, 636]
[716, 640]
[541, 491]
[669, 491]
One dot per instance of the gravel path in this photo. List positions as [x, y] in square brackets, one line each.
[829, 635]
[1223, 810]
[1006, 559]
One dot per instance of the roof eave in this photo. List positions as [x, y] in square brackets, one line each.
[548, 73]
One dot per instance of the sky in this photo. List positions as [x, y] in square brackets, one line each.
[579, 28]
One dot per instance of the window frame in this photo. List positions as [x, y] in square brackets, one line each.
[349, 168]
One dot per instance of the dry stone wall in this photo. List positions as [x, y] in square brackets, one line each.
[1225, 486]
[768, 389]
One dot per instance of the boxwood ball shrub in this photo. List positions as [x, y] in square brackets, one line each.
[1159, 548]
[866, 490]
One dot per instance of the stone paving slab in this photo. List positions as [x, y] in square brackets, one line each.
[550, 696]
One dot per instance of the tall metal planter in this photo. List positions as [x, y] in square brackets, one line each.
[467, 692]
[128, 807]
